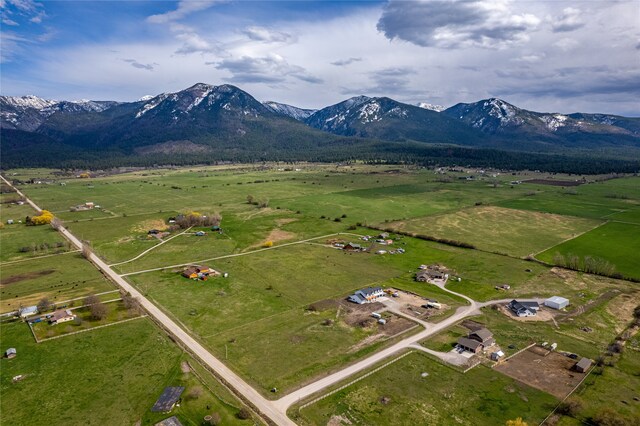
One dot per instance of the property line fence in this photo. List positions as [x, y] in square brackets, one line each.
[364, 376]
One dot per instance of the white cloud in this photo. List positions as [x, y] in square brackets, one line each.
[184, 9]
[267, 35]
[570, 20]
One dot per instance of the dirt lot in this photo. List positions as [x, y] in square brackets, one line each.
[544, 314]
[551, 373]
[411, 304]
[360, 316]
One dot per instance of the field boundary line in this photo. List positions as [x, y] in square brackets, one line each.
[511, 356]
[568, 395]
[227, 256]
[6, 314]
[571, 238]
[151, 248]
[85, 330]
[364, 376]
[11, 262]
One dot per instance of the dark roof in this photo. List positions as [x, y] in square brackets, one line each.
[370, 290]
[482, 333]
[168, 399]
[190, 270]
[584, 364]
[535, 305]
[171, 421]
[520, 306]
[468, 343]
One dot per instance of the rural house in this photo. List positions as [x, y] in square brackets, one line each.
[352, 247]
[470, 345]
[524, 309]
[199, 272]
[483, 336]
[556, 302]
[366, 295]
[170, 421]
[61, 315]
[430, 275]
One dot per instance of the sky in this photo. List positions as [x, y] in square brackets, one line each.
[547, 56]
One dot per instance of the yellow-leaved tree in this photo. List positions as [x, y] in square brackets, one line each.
[45, 217]
[516, 422]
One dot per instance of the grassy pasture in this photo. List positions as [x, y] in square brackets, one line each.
[480, 397]
[495, 229]
[124, 370]
[14, 237]
[618, 243]
[59, 278]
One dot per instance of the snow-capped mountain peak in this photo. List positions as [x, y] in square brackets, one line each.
[430, 107]
[28, 101]
[289, 110]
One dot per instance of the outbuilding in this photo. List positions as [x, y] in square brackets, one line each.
[27, 311]
[11, 353]
[556, 302]
[583, 365]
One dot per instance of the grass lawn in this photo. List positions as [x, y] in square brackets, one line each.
[613, 390]
[617, 243]
[124, 369]
[58, 278]
[479, 397]
[496, 229]
[446, 340]
[19, 241]
[115, 312]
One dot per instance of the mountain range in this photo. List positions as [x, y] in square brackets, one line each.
[210, 121]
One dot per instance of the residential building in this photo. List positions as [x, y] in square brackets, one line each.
[27, 311]
[199, 272]
[366, 295]
[470, 345]
[60, 316]
[524, 309]
[169, 398]
[483, 336]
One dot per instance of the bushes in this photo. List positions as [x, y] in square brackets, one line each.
[197, 219]
[45, 217]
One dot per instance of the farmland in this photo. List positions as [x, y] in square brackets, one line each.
[400, 395]
[133, 360]
[617, 243]
[280, 319]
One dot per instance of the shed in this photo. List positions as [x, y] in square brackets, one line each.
[556, 302]
[10, 222]
[27, 311]
[495, 356]
[170, 421]
[169, 398]
[11, 353]
[583, 365]
[200, 234]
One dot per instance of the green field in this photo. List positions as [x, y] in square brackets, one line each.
[257, 320]
[513, 232]
[617, 243]
[480, 397]
[59, 278]
[124, 369]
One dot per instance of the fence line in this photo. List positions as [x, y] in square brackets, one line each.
[364, 376]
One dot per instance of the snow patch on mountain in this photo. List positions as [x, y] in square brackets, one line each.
[554, 121]
[430, 107]
[28, 101]
[151, 104]
[289, 110]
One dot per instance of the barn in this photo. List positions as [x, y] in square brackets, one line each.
[556, 302]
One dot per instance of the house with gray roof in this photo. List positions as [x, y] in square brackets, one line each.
[366, 295]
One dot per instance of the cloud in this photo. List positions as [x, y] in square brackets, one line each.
[345, 62]
[272, 68]
[566, 44]
[31, 10]
[184, 9]
[570, 20]
[393, 81]
[136, 64]
[267, 35]
[193, 43]
[458, 23]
